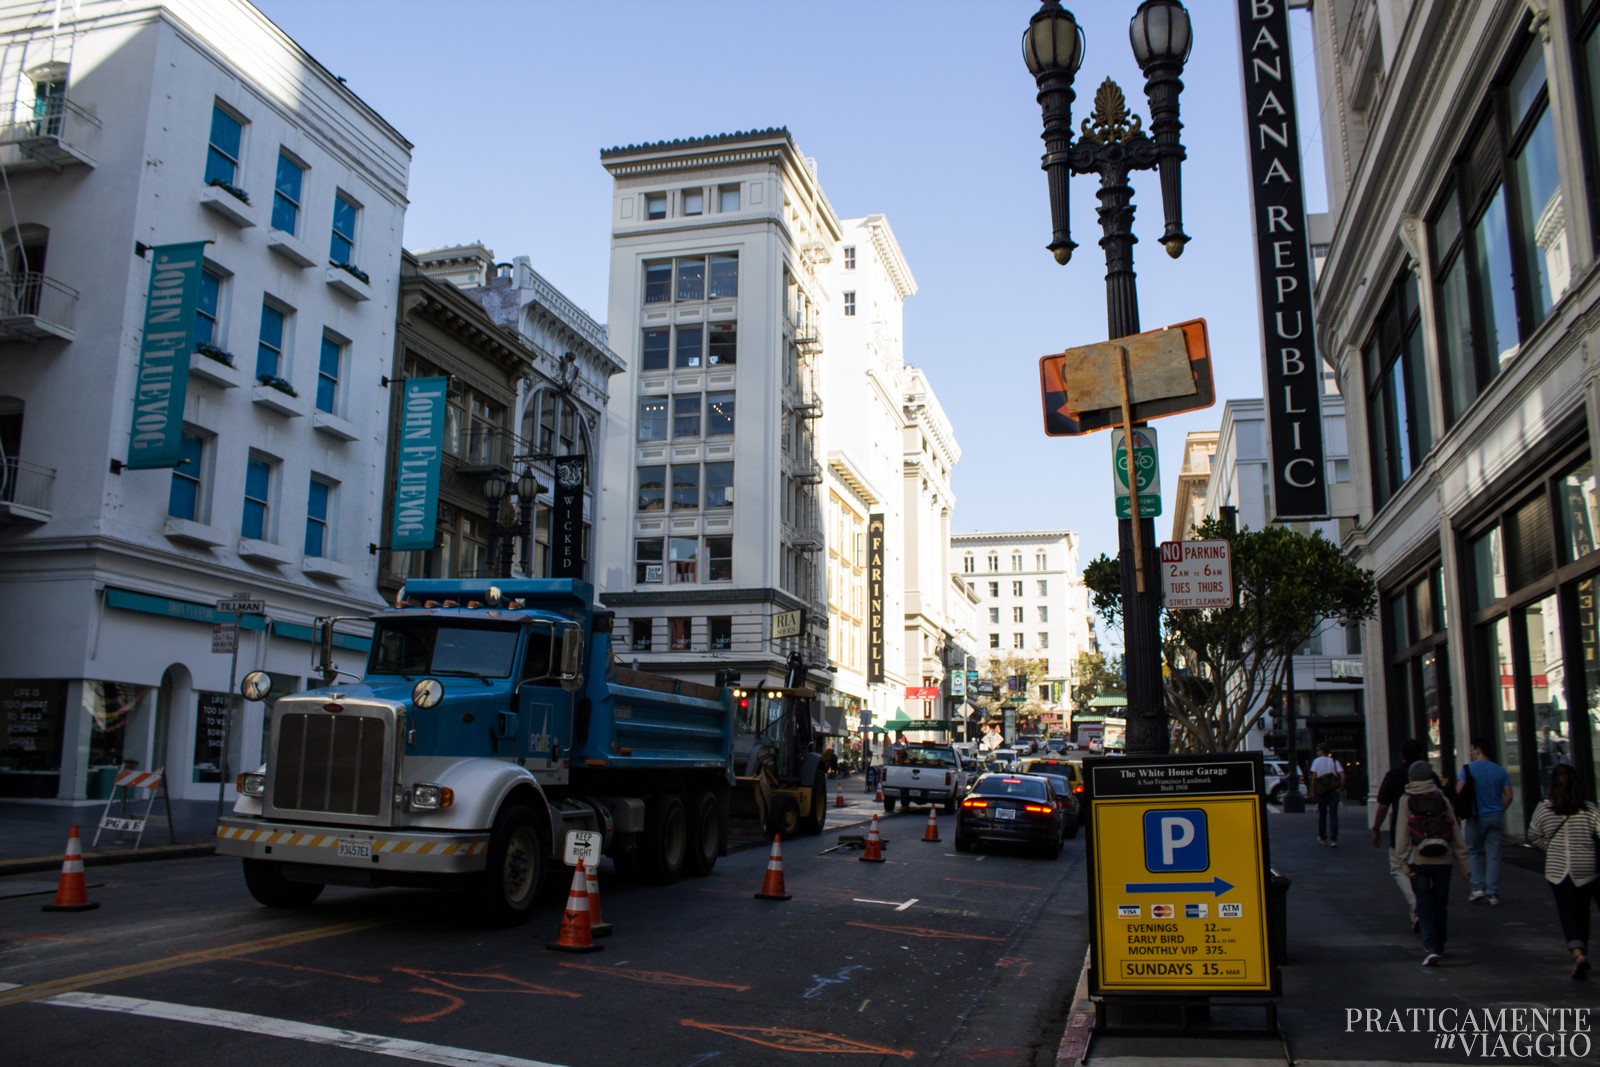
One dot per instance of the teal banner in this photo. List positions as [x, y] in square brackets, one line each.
[416, 475]
[156, 439]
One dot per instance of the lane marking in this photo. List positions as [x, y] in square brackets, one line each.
[42, 990]
[355, 1040]
[897, 905]
[924, 931]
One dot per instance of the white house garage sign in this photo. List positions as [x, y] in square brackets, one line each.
[1283, 269]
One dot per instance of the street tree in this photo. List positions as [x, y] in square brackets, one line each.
[1225, 666]
[1011, 677]
[1097, 674]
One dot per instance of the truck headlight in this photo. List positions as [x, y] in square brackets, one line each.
[429, 797]
[252, 784]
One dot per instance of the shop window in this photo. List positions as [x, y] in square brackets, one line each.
[641, 634]
[680, 632]
[720, 629]
[1397, 390]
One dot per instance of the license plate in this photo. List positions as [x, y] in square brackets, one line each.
[1005, 813]
[355, 847]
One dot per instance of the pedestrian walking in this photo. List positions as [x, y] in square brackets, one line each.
[1566, 825]
[1388, 805]
[1327, 785]
[1491, 790]
[1427, 838]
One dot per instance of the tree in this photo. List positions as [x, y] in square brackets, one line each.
[1096, 675]
[1222, 664]
[1000, 671]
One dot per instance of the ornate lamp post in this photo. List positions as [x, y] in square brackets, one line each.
[500, 530]
[1113, 145]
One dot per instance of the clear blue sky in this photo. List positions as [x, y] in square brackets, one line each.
[922, 111]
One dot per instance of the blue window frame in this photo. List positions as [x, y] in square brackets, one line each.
[257, 486]
[269, 346]
[286, 194]
[317, 517]
[328, 374]
[342, 245]
[205, 308]
[183, 499]
[222, 157]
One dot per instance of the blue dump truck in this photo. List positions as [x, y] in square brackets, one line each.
[492, 719]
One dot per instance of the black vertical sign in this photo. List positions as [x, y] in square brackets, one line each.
[1283, 265]
[874, 598]
[566, 520]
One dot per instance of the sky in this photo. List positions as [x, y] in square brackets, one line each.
[921, 110]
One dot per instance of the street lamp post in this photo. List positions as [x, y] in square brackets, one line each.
[1113, 146]
[500, 531]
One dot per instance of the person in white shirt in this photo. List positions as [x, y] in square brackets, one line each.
[1565, 825]
[1327, 785]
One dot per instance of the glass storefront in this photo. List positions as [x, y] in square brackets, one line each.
[32, 713]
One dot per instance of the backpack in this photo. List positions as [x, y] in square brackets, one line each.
[1327, 784]
[1429, 824]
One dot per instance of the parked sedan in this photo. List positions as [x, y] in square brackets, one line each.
[1071, 769]
[1062, 785]
[1014, 808]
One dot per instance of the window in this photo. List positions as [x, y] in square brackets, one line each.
[1044, 639]
[994, 589]
[1016, 588]
[342, 243]
[655, 349]
[652, 489]
[683, 554]
[968, 564]
[1044, 587]
[185, 498]
[1016, 614]
[686, 415]
[680, 630]
[269, 343]
[1397, 391]
[1016, 641]
[728, 198]
[692, 279]
[207, 309]
[994, 616]
[647, 560]
[849, 305]
[328, 367]
[719, 414]
[694, 201]
[655, 205]
[994, 565]
[652, 418]
[49, 101]
[849, 257]
[724, 275]
[640, 634]
[1044, 613]
[685, 486]
[719, 485]
[1040, 561]
[483, 431]
[722, 347]
[719, 559]
[690, 340]
[1016, 561]
[318, 503]
[994, 640]
[658, 282]
[257, 490]
[286, 194]
[720, 629]
[227, 140]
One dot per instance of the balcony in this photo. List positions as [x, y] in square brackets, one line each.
[57, 134]
[273, 398]
[480, 449]
[289, 247]
[341, 280]
[34, 307]
[266, 552]
[212, 368]
[227, 206]
[25, 490]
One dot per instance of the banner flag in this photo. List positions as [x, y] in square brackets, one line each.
[156, 437]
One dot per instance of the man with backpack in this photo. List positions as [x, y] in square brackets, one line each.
[1427, 838]
[1327, 785]
[1491, 792]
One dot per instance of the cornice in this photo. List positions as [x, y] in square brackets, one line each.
[889, 254]
[697, 142]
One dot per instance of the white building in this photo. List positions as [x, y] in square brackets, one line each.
[148, 124]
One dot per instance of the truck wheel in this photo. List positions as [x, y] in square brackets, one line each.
[665, 847]
[705, 834]
[784, 818]
[509, 884]
[888, 805]
[268, 885]
[950, 805]
[814, 820]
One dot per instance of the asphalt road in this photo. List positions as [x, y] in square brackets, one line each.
[932, 957]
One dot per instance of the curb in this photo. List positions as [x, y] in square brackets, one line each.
[38, 864]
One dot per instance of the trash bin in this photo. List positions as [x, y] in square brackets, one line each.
[872, 777]
[1278, 917]
[101, 781]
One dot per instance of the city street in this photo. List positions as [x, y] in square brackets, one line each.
[931, 956]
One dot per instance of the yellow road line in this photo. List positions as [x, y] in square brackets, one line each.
[41, 990]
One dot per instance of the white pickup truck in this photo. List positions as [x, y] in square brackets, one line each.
[924, 773]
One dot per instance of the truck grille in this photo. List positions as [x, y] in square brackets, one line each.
[330, 763]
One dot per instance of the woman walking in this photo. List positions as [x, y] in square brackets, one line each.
[1565, 825]
[1427, 839]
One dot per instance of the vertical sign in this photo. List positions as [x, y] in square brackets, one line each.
[567, 529]
[156, 439]
[1283, 268]
[875, 598]
[416, 473]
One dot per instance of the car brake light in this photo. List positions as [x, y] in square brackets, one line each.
[1077, 789]
[974, 802]
[1039, 809]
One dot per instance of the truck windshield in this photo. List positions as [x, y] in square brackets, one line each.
[430, 646]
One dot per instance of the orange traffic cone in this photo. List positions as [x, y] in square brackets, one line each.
[874, 850]
[932, 832]
[838, 801]
[597, 928]
[772, 887]
[72, 894]
[574, 935]
[879, 798]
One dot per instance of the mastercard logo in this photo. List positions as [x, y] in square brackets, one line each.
[1161, 911]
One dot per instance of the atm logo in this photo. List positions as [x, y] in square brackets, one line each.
[1162, 911]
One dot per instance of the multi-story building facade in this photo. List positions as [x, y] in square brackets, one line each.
[1031, 603]
[133, 127]
[1458, 302]
[1189, 496]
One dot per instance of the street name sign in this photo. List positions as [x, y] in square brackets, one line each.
[1178, 876]
[1196, 574]
[238, 606]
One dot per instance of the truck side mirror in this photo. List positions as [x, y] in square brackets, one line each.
[571, 658]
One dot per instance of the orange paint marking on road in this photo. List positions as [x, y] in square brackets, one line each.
[485, 982]
[455, 1002]
[992, 885]
[1016, 963]
[661, 978]
[370, 979]
[787, 1040]
[923, 931]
